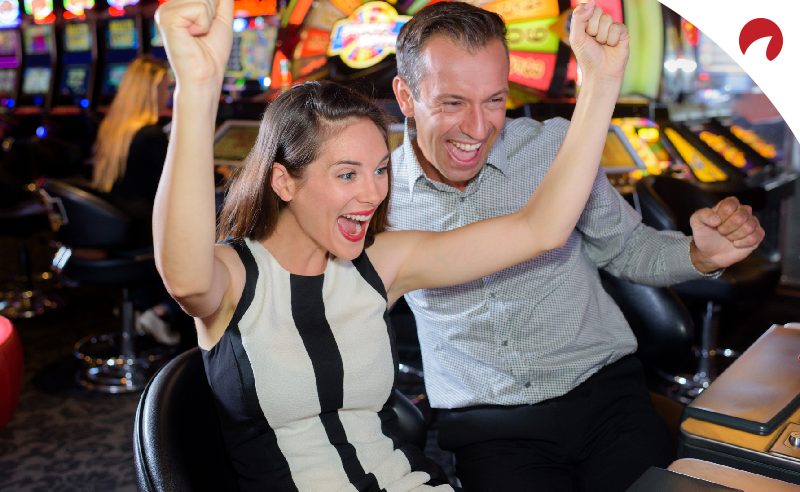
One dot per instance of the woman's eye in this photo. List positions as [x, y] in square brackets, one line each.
[346, 176]
[382, 170]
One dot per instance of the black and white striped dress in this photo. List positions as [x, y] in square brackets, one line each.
[303, 378]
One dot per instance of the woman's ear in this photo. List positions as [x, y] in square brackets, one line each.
[282, 182]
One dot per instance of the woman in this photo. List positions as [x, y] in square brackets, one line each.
[291, 313]
[131, 148]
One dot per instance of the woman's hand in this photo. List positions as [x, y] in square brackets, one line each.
[599, 43]
[197, 37]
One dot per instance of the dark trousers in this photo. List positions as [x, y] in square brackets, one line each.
[601, 437]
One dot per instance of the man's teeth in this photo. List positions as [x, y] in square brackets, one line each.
[466, 147]
[360, 218]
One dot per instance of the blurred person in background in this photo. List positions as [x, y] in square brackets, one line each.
[130, 152]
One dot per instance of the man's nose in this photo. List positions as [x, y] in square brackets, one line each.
[474, 124]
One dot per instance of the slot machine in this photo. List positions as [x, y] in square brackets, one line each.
[153, 44]
[120, 42]
[10, 53]
[250, 65]
[78, 67]
[38, 66]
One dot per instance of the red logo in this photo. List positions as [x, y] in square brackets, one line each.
[762, 28]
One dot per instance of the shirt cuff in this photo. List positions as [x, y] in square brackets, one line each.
[680, 260]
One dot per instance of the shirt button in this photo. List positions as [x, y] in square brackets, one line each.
[528, 384]
[492, 295]
[505, 343]
[461, 199]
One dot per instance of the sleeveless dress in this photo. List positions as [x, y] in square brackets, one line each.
[303, 379]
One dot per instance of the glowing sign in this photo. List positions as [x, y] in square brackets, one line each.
[312, 42]
[368, 36]
[39, 9]
[532, 69]
[121, 4]
[532, 35]
[9, 13]
[77, 7]
[520, 10]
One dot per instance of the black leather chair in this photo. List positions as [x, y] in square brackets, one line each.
[177, 438]
[667, 204]
[113, 362]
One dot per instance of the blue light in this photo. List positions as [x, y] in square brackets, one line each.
[41, 132]
[239, 25]
[84, 103]
[38, 101]
[10, 103]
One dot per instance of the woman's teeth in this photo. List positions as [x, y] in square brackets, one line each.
[360, 218]
[466, 147]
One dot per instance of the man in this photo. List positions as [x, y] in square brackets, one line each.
[533, 361]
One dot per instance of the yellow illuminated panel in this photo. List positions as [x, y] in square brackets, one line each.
[725, 148]
[650, 160]
[702, 168]
[766, 150]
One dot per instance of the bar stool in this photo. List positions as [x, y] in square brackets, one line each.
[22, 220]
[11, 370]
[121, 361]
[667, 204]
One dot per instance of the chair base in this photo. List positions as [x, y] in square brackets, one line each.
[685, 387]
[106, 367]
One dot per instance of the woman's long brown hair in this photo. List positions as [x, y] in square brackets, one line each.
[293, 132]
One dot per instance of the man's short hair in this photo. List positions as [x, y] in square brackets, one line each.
[469, 27]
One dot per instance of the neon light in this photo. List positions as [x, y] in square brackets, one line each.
[299, 12]
[532, 69]
[312, 42]
[84, 103]
[239, 25]
[691, 32]
[368, 36]
[121, 4]
[77, 7]
[520, 10]
[39, 9]
[250, 8]
[533, 35]
[41, 132]
[9, 13]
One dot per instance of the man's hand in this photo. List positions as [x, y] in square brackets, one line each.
[723, 235]
[599, 43]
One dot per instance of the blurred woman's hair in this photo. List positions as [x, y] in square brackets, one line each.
[134, 106]
[293, 132]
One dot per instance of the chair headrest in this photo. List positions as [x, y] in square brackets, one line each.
[92, 222]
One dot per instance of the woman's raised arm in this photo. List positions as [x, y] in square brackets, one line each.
[411, 260]
[197, 36]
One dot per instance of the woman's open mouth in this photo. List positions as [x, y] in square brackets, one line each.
[354, 226]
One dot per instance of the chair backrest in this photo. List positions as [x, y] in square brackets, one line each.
[662, 324]
[92, 222]
[667, 203]
[177, 438]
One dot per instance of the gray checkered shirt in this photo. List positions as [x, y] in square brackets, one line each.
[538, 329]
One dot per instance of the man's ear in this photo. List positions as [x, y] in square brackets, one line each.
[282, 183]
[404, 97]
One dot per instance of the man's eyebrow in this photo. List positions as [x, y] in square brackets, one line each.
[501, 92]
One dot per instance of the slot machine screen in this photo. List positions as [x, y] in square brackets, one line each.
[77, 37]
[8, 42]
[38, 40]
[113, 77]
[155, 37]
[8, 82]
[233, 141]
[616, 158]
[122, 34]
[252, 52]
[75, 80]
[36, 80]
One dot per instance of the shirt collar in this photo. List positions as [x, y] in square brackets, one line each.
[497, 158]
